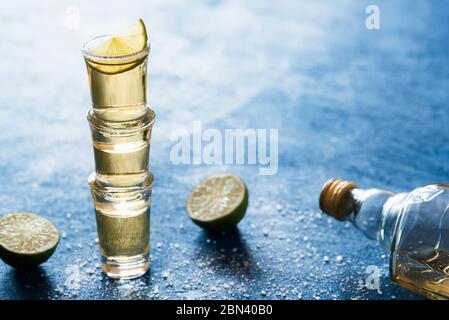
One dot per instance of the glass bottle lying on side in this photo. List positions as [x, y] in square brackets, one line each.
[413, 226]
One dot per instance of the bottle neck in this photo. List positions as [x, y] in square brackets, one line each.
[391, 213]
[373, 211]
[376, 213]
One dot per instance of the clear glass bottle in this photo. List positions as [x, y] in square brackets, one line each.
[413, 226]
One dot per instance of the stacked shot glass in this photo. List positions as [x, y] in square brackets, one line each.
[121, 123]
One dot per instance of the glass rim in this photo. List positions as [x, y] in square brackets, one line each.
[115, 60]
[104, 191]
[122, 128]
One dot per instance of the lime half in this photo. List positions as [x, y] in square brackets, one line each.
[218, 202]
[26, 239]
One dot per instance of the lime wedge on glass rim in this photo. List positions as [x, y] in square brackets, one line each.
[132, 41]
[26, 239]
[219, 202]
[115, 53]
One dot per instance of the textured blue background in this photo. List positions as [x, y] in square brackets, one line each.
[371, 106]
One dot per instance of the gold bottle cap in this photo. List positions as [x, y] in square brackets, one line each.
[336, 199]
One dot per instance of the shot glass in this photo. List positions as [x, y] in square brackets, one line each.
[123, 226]
[121, 149]
[118, 84]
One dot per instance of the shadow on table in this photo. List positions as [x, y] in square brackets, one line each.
[31, 284]
[227, 250]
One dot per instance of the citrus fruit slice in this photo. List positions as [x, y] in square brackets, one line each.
[119, 53]
[26, 239]
[218, 202]
[132, 41]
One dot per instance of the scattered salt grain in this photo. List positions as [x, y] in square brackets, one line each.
[165, 275]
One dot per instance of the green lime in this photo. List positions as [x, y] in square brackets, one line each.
[219, 202]
[26, 239]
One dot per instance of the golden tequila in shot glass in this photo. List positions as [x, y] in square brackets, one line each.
[121, 149]
[121, 123]
[117, 72]
[123, 226]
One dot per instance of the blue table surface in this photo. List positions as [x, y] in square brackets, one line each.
[370, 106]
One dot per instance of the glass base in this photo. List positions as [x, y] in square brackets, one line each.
[125, 267]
